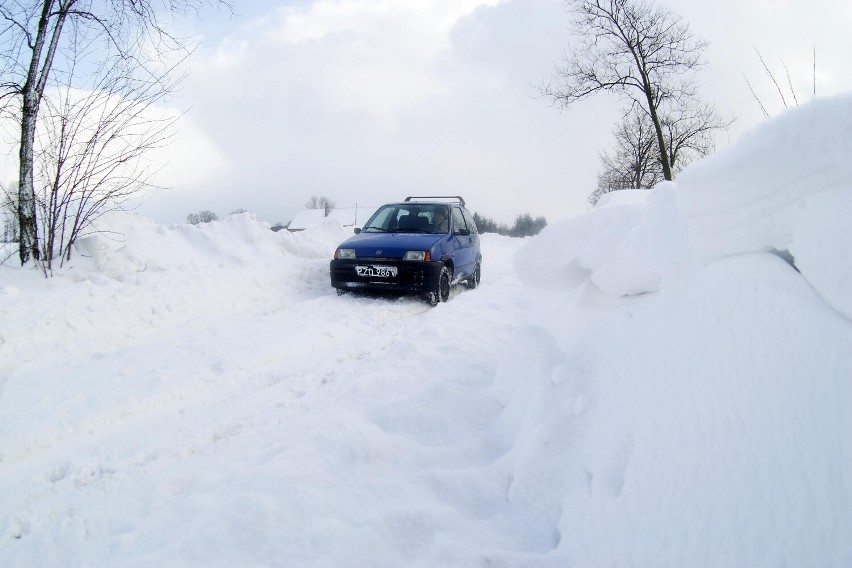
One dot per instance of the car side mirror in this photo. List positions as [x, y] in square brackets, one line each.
[357, 230]
[464, 232]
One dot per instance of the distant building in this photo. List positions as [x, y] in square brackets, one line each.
[348, 217]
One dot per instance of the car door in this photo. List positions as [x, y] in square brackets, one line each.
[476, 253]
[464, 244]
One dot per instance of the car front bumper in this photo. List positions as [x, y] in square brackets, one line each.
[411, 276]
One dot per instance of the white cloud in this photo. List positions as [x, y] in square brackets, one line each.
[369, 100]
[372, 56]
[195, 160]
[414, 25]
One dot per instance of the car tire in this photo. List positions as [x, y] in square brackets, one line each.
[442, 294]
[473, 280]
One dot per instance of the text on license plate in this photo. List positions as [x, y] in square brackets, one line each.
[376, 271]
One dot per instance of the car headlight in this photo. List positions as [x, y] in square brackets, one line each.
[420, 255]
[344, 253]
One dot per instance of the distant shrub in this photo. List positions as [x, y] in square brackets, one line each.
[204, 216]
[525, 225]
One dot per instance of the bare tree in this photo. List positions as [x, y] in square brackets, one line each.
[88, 160]
[642, 52]
[8, 212]
[321, 202]
[203, 216]
[635, 163]
[35, 35]
[690, 133]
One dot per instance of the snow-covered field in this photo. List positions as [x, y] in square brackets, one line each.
[652, 383]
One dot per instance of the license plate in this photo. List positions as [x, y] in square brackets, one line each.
[376, 271]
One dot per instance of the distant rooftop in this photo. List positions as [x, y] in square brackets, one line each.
[348, 217]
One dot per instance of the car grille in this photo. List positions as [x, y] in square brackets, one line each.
[408, 275]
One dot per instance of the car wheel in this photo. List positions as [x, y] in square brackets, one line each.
[340, 291]
[443, 292]
[473, 281]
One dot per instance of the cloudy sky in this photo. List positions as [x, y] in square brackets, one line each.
[368, 101]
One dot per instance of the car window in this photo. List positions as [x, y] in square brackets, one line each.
[408, 218]
[380, 220]
[458, 221]
[471, 224]
[438, 220]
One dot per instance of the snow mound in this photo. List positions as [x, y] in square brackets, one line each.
[626, 246]
[623, 196]
[566, 254]
[137, 275]
[784, 189]
[822, 248]
[750, 196]
[124, 244]
[705, 424]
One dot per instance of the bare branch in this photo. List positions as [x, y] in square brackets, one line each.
[771, 76]
[790, 83]
[644, 53]
[763, 108]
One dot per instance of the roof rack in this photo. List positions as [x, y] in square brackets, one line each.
[456, 197]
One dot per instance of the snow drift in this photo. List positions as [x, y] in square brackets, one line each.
[708, 425]
[664, 380]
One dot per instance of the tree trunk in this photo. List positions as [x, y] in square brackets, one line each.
[661, 142]
[28, 244]
[31, 99]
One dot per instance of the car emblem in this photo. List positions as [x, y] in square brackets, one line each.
[379, 252]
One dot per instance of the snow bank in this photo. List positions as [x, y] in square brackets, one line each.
[630, 244]
[135, 278]
[784, 188]
[706, 424]
[822, 247]
[750, 196]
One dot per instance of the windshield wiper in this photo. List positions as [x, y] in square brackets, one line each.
[374, 229]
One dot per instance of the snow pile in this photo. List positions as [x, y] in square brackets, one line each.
[706, 425]
[787, 187]
[662, 381]
[750, 197]
[784, 188]
[821, 247]
[136, 275]
[625, 246]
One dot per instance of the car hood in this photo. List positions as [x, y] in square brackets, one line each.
[389, 245]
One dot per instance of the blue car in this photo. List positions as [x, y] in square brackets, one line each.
[423, 245]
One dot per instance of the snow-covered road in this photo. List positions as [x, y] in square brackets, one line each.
[306, 429]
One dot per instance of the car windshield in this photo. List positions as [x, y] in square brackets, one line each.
[409, 218]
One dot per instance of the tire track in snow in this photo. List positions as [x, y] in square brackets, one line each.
[340, 399]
